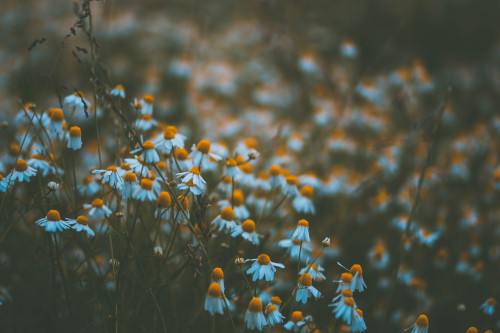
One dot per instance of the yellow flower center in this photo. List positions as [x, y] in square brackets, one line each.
[349, 302]
[347, 293]
[231, 163]
[307, 191]
[56, 115]
[423, 322]
[346, 277]
[75, 132]
[297, 316]
[215, 290]
[82, 220]
[263, 260]
[305, 279]
[227, 214]
[275, 170]
[270, 308]
[130, 177]
[195, 171]
[291, 180]
[97, 203]
[303, 223]
[237, 198]
[146, 184]
[111, 168]
[276, 300]
[21, 165]
[148, 99]
[164, 200]
[148, 145]
[217, 274]
[203, 146]
[246, 168]
[255, 305]
[248, 226]
[184, 202]
[168, 134]
[53, 215]
[356, 269]
[181, 154]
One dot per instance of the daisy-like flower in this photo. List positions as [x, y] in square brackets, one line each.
[145, 122]
[303, 202]
[111, 177]
[218, 276]
[225, 220]
[118, 91]
[315, 270]
[302, 231]
[358, 323]
[40, 163]
[138, 165]
[296, 322]
[170, 139]
[98, 209]
[275, 176]
[75, 138]
[128, 180]
[22, 172]
[247, 231]
[358, 284]
[147, 104]
[149, 154]
[214, 303]
[422, 325]
[238, 202]
[88, 187]
[345, 282]
[76, 100]
[164, 202]
[182, 157]
[305, 289]
[81, 223]
[201, 152]
[144, 192]
[123, 169]
[293, 247]
[488, 307]
[263, 268]
[193, 177]
[274, 316]
[254, 318]
[231, 168]
[291, 186]
[276, 301]
[346, 310]
[56, 120]
[245, 175]
[52, 222]
[338, 301]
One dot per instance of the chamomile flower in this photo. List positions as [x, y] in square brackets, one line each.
[296, 323]
[56, 120]
[200, 154]
[236, 200]
[225, 220]
[276, 180]
[182, 158]
[274, 316]
[426, 236]
[149, 154]
[98, 209]
[247, 231]
[146, 122]
[218, 276]
[254, 318]
[164, 203]
[110, 176]
[358, 323]
[88, 187]
[52, 222]
[118, 91]
[303, 202]
[75, 138]
[147, 104]
[338, 301]
[358, 284]
[305, 289]
[315, 270]
[77, 101]
[245, 175]
[40, 163]
[345, 311]
[291, 186]
[345, 282]
[123, 169]
[263, 268]
[170, 140]
[293, 247]
[144, 192]
[421, 325]
[129, 179]
[22, 172]
[81, 223]
[301, 233]
[231, 168]
[488, 307]
[138, 165]
[214, 302]
[197, 183]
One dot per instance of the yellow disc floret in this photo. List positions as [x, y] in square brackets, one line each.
[215, 290]
[146, 184]
[82, 220]
[303, 223]
[248, 226]
[423, 322]
[164, 200]
[53, 215]
[203, 146]
[255, 305]
[305, 279]
[227, 214]
[217, 274]
[263, 260]
[75, 132]
[21, 165]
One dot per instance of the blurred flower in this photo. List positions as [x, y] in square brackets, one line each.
[52, 222]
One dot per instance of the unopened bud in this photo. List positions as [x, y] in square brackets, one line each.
[53, 186]
[239, 261]
[326, 242]
[158, 251]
